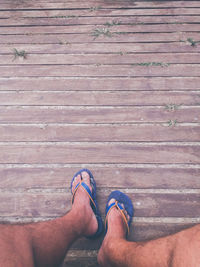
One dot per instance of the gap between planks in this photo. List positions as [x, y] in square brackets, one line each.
[126, 143]
[101, 190]
[140, 28]
[92, 165]
[100, 21]
[138, 124]
[165, 220]
[81, 107]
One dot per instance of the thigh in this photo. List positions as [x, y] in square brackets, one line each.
[187, 248]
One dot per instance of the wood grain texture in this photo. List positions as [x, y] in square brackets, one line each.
[89, 28]
[101, 83]
[104, 13]
[22, 19]
[102, 59]
[98, 133]
[108, 4]
[90, 115]
[110, 11]
[100, 71]
[57, 177]
[105, 98]
[84, 153]
[77, 101]
[88, 38]
[57, 204]
[97, 48]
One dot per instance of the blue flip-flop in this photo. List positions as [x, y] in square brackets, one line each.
[120, 198]
[93, 200]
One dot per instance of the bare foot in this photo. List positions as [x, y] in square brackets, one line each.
[81, 206]
[116, 229]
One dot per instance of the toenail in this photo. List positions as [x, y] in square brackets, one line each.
[84, 175]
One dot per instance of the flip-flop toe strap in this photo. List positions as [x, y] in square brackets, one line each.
[121, 209]
[87, 190]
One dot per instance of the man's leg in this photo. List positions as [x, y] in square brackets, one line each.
[46, 243]
[179, 250]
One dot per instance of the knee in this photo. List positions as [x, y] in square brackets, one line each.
[113, 253]
[106, 255]
[113, 246]
[187, 247]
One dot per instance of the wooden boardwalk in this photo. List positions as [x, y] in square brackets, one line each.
[113, 86]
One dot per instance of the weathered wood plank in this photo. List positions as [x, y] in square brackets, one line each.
[119, 29]
[95, 48]
[99, 9]
[65, 114]
[18, 20]
[81, 262]
[77, 258]
[111, 84]
[57, 204]
[109, 59]
[88, 38]
[98, 133]
[137, 3]
[147, 231]
[74, 16]
[96, 98]
[91, 12]
[108, 4]
[175, 70]
[84, 153]
[122, 176]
